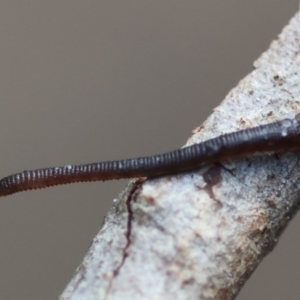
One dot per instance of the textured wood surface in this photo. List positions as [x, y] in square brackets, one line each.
[200, 235]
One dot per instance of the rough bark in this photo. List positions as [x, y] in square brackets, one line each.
[200, 235]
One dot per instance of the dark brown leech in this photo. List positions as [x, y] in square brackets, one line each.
[278, 136]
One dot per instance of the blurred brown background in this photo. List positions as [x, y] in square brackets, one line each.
[83, 81]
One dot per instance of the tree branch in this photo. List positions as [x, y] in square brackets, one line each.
[200, 235]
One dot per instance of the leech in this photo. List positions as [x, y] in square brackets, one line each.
[279, 136]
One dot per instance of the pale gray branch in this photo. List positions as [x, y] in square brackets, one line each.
[200, 235]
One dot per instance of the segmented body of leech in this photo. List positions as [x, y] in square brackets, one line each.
[283, 135]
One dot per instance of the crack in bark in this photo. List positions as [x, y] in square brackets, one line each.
[130, 197]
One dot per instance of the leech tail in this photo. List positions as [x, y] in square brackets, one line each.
[47, 177]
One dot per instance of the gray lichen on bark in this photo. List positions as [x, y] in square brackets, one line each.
[200, 235]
